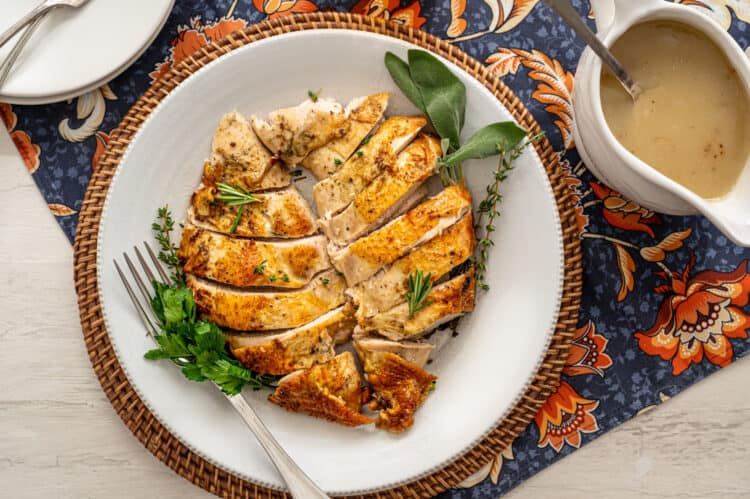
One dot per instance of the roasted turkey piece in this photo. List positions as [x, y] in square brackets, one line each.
[398, 388]
[299, 348]
[365, 256]
[447, 301]
[331, 391]
[278, 214]
[249, 262]
[266, 310]
[292, 133]
[239, 158]
[436, 257]
[363, 114]
[392, 193]
[334, 193]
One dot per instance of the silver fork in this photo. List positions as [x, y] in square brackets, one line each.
[298, 483]
[36, 12]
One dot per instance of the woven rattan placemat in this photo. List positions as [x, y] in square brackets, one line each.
[115, 384]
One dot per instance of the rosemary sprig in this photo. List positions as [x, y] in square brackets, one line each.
[419, 287]
[235, 196]
[162, 229]
[314, 95]
[489, 205]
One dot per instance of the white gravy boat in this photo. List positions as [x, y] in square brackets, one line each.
[615, 165]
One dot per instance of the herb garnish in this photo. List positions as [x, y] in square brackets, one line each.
[272, 277]
[197, 346]
[419, 287]
[337, 161]
[162, 229]
[314, 95]
[438, 93]
[235, 196]
[325, 281]
[296, 173]
[285, 278]
[365, 141]
[260, 268]
[360, 153]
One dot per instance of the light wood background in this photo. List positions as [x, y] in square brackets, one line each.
[60, 438]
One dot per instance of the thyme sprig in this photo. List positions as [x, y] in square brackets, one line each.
[488, 207]
[235, 196]
[162, 228]
[420, 286]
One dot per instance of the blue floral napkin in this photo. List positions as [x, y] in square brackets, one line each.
[665, 298]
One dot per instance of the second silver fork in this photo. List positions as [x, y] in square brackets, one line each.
[298, 483]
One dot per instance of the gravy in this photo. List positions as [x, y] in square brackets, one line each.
[691, 121]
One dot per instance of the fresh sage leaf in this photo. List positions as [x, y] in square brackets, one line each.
[487, 141]
[443, 95]
[399, 71]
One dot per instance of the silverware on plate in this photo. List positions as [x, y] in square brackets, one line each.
[10, 60]
[36, 13]
[298, 483]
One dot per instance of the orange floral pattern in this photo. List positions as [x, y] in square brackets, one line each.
[389, 10]
[278, 8]
[565, 417]
[194, 37]
[28, 150]
[623, 213]
[698, 317]
[587, 355]
[555, 87]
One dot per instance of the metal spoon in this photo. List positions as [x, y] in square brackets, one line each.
[565, 10]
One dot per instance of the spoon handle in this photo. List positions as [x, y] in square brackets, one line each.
[565, 10]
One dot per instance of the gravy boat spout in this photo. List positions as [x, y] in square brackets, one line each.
[612, 163]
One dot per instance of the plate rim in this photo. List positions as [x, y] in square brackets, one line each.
[21, 100]
[558, 199]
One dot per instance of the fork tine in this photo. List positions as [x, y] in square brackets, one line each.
[137, 304]
[157, 264]
[138, 281]
[144, 265]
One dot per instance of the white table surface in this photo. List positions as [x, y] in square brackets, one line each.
[60, 438]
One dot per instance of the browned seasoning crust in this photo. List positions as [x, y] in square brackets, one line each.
[283, 214]
[244, 310]
[331, 391]
[248, 262]
[300, 348]
[399, 388]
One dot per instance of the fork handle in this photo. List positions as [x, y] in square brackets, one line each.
[298, 483]
[35, 12]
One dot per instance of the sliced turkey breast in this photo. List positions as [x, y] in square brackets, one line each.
[436, 257]
[363, 113]
[447, 301]
[399, 388]
[334, 193]
[247, 262]
[395, 191]
[292, 133]
[331, 391]
[299, 348]
[364, 257]
[277, 214]
[257, 310]
[237, 156]
[412, 351]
